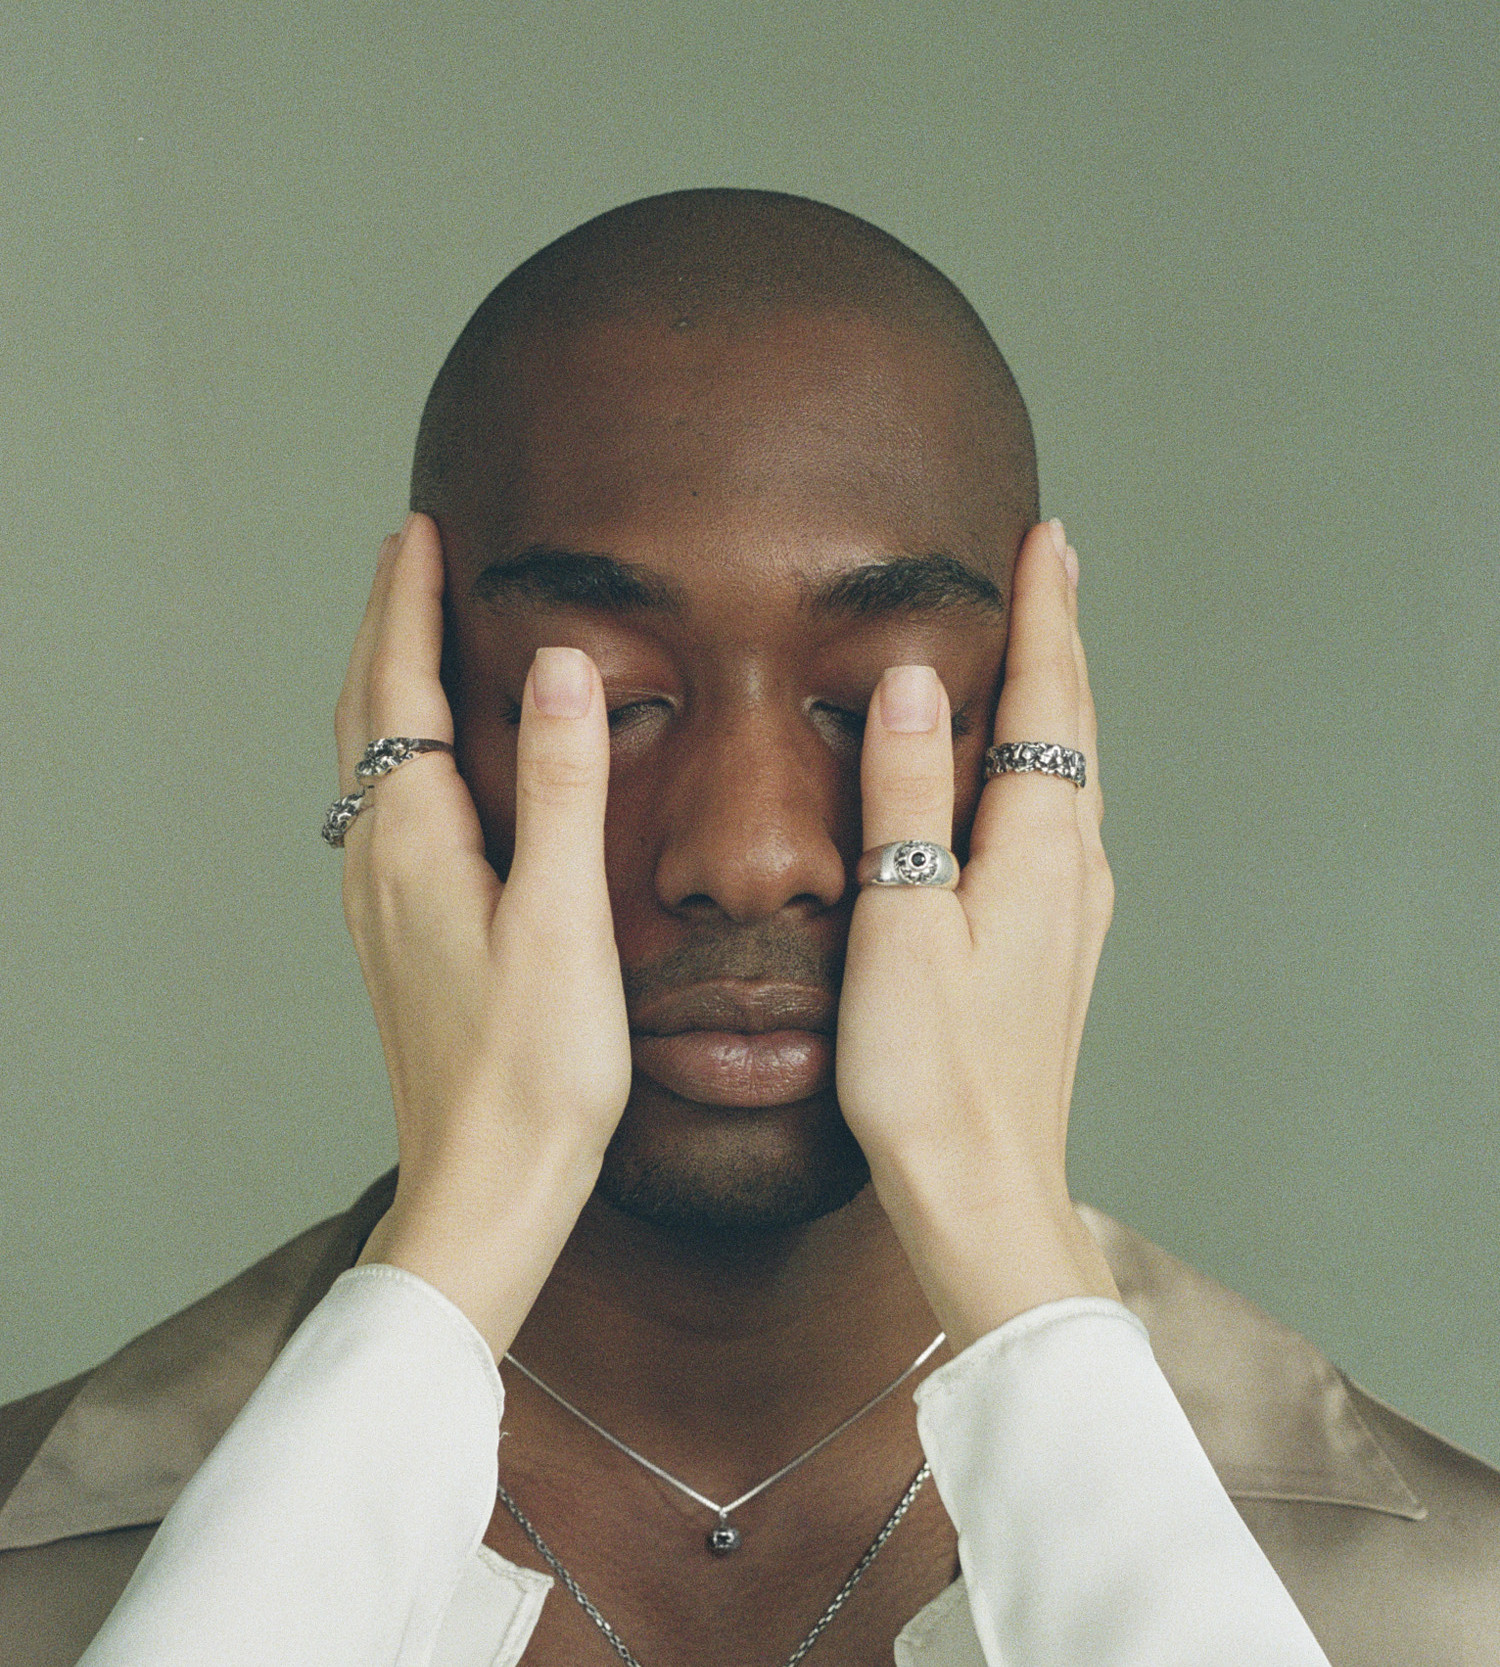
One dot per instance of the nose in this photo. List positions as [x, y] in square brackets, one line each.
[754, 819]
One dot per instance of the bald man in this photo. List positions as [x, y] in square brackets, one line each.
[747, 453]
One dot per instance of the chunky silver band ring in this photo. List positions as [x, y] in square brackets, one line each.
[1047, 756]
[384, 755]
[377, 760]
[908, 862]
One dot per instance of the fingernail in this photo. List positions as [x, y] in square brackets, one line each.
[1059, 538]
[1070, 561]
[406, 525]
[560, 682]
[909, 699]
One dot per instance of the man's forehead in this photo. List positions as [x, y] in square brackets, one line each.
[798, 434]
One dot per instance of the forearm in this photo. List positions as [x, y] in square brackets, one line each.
[333, 1521]
[1091, 1525]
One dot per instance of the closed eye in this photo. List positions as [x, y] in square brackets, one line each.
[845, 721]
[853, 723]
[620, 717]
[634, 712]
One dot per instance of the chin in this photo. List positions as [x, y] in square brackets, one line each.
[709, 1172]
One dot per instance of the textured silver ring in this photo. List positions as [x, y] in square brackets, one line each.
[384, 755]
[377, 760]
[340, 814]
[1049, 757]
[908, 862]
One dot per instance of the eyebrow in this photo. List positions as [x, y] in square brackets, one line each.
[907, 584]
[544, 575]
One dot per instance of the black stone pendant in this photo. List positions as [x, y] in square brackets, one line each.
[723, 1539]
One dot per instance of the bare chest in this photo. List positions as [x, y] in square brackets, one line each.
[641, 1562]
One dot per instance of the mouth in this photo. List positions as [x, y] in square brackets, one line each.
[730, 1043]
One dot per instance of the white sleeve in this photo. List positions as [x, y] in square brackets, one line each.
[333, 1521]
[1091, 1526]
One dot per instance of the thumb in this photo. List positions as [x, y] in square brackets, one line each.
[562, 782]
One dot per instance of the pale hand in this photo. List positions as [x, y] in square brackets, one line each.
[962, 1012]
[500, 1007]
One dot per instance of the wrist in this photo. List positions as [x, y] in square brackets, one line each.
[486, 1242]
[985, 1253]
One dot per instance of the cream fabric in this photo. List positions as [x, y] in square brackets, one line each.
[1387, 1537]
[339, 1520]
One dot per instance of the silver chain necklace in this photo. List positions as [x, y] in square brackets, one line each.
[622, 1649]
[724, 1537]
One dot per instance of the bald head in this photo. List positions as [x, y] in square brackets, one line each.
[745, 451]
[720, 262]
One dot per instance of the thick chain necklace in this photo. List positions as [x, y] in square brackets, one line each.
[622, 1649]
[724, 1537]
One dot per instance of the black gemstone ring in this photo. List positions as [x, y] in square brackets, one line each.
[908, 862]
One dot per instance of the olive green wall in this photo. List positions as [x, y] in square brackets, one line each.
[1244, 261]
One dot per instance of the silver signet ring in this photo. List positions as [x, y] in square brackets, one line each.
[908, 862]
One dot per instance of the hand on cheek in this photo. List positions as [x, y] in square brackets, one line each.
[962, 1011]
[500, 1007]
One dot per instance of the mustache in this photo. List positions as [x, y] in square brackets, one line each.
[766, 952]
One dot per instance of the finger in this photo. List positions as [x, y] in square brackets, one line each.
[1040, 697]
[351, 713]
[562, 783]
[404, 696]
[906, 767]
[405, 693]
[1090, 802]
[1098, 882]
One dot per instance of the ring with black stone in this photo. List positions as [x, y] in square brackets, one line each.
[908, 862]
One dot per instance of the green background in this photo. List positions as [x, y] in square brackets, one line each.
[1243, 259]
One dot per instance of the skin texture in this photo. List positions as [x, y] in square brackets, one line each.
[743, 467]
[707, 1277]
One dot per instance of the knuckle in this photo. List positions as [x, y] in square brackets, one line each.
[552, 778]
[906, 789]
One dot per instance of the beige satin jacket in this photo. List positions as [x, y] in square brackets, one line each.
[1388, 1539]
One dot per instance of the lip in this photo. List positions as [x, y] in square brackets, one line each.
[735, 1044]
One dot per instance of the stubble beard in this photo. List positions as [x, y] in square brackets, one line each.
[739, 1181]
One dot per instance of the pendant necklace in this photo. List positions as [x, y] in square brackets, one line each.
[622, 1649]
[724, 1537]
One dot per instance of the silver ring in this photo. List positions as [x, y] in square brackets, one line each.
[908, 862]
[382, 756]
[340, 814]
[1049, 757]
[377, 760]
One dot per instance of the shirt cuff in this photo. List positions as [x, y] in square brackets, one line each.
[334, 1519]
[1091, 1525]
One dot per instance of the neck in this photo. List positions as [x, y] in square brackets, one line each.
[727, 1354]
